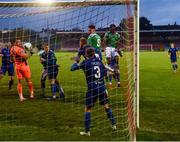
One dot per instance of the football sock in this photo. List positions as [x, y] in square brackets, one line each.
[57, 85]
[59, 89]
[111, 116]
[19, 88]
[53, 89]
[174, 67]
[43, 86]
[11, 82]
[30, 87]
[87, 121]
[118, 76]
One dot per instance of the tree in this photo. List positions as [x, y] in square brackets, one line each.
[145, 24]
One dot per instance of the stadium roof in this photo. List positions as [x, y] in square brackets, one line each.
[150, 31]
[163, 28]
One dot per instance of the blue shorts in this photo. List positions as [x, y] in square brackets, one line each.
[52, 73]
[8, 68]
[173, 60]
[93, 94]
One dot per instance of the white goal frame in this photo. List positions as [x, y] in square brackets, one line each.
[71, 3]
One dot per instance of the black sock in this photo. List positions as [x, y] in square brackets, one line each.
[43, 86]
[176, 66]
[11, 82]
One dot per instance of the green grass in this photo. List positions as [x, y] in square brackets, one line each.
[159, 98]
[42, 120]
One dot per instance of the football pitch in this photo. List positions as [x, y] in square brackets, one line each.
[40, 119]
[159, 98]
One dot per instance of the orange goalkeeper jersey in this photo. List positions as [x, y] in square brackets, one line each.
[19, 55]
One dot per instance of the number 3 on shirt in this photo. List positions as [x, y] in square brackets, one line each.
[98, 72]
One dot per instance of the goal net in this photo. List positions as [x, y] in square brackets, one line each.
[62, 24]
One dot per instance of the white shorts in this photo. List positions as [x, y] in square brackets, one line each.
[111, 52]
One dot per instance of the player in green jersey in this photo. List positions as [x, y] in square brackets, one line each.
[112, 43]
[94, 40]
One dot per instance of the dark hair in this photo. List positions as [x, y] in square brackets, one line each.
[112, 26]
[45, 44]
[90, 52]
[171, 43]
[83, 40]
[92, 26]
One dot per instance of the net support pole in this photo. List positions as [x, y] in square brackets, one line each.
[136, 40]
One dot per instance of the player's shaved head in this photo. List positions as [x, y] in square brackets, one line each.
[112, 28]
[92, 26]
[90, 52]
[18, 43]
[172, 44]
[91, 29]
[46, 47]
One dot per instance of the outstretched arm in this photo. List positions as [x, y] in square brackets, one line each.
[109, 68]
[74, 67]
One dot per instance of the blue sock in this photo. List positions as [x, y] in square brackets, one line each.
[53, 89]
[87, 121]
[111, 116]
[57, 88]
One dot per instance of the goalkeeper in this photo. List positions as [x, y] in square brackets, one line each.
[20, 57]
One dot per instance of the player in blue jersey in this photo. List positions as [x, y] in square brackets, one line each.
[82, 50]
[51, 70]
[94, 71]
[7, 64]
[174, 55]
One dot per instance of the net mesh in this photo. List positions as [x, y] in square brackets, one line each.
[62, 27]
